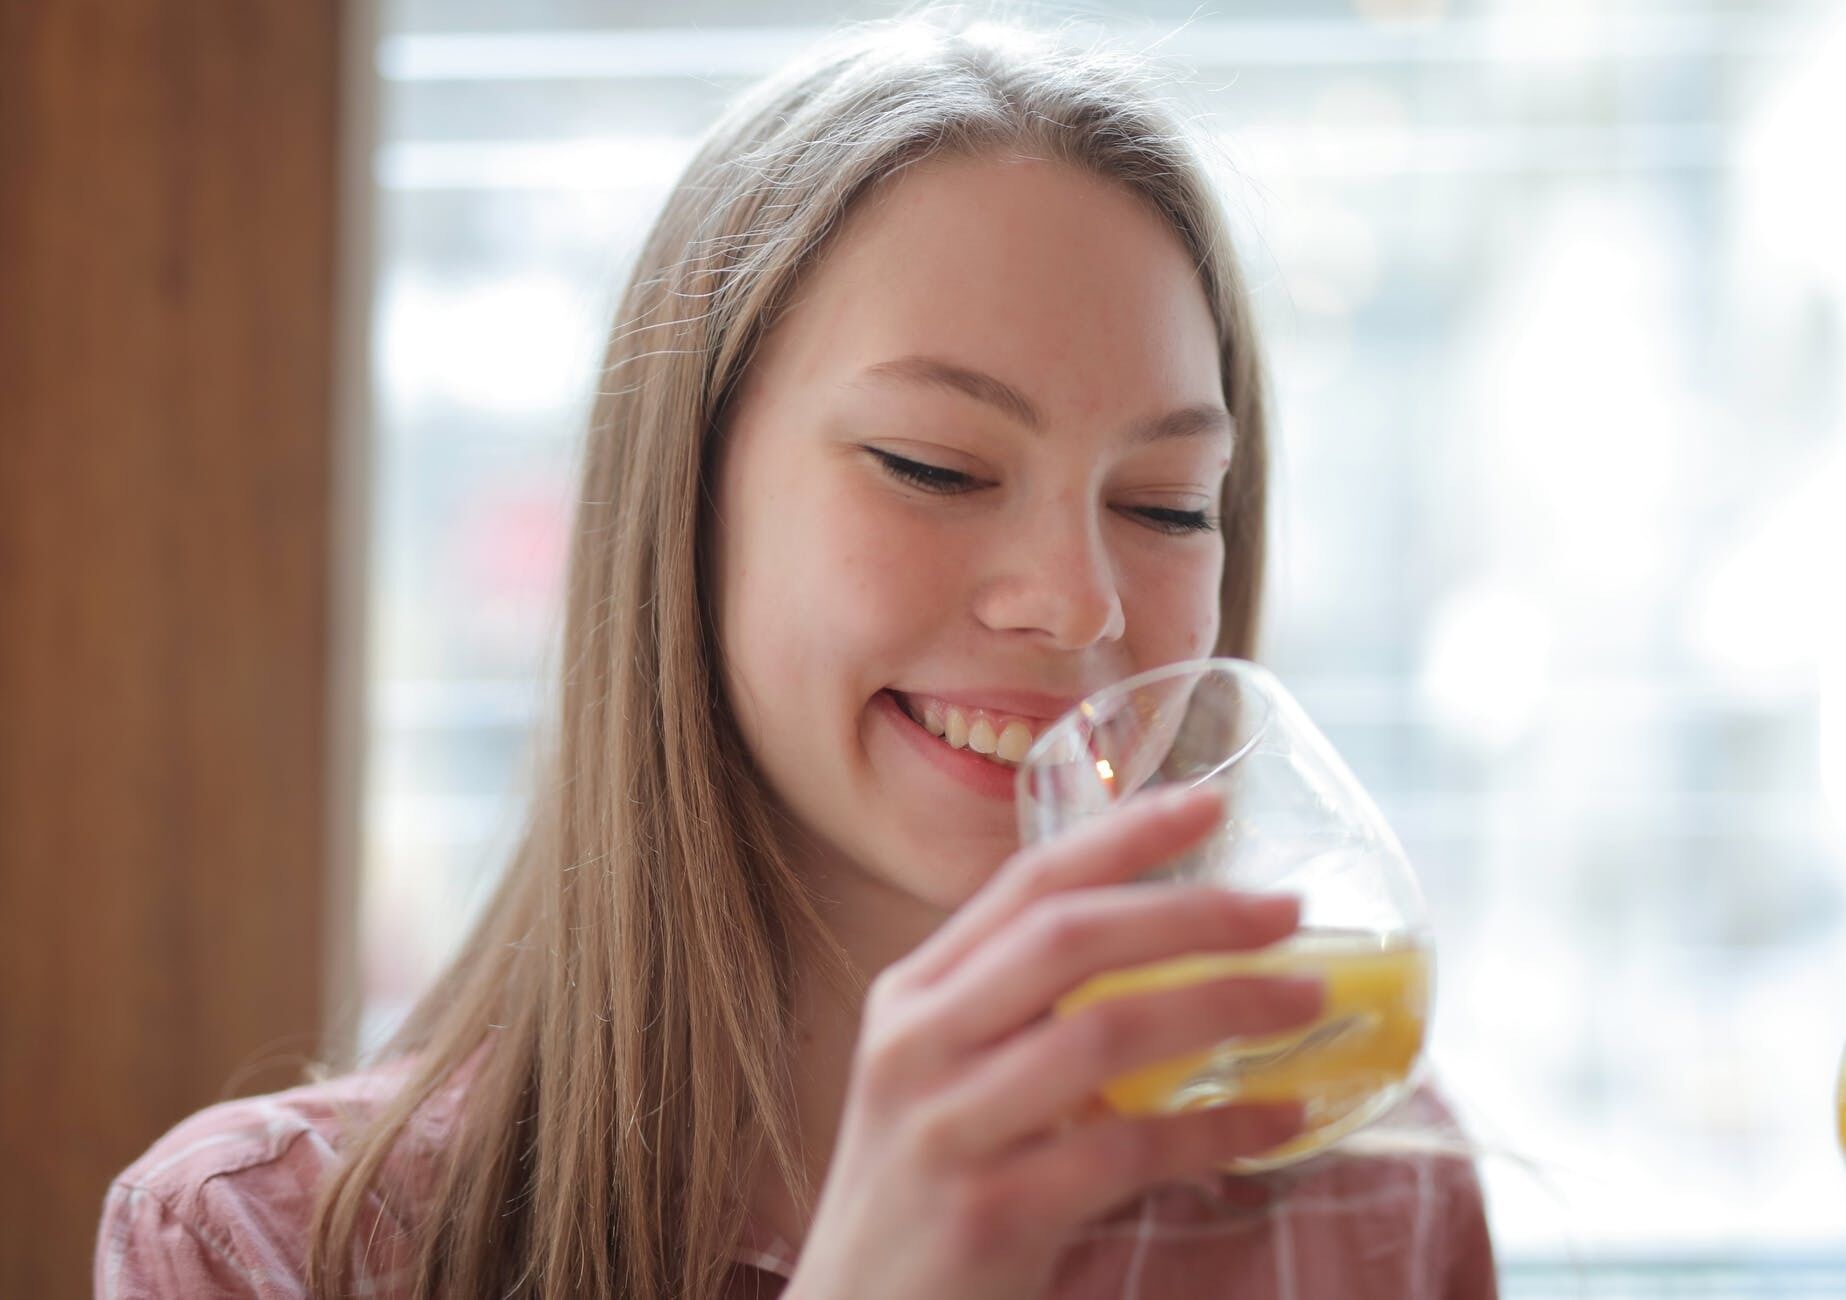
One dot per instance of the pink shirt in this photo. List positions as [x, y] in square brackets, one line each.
[220, 1206]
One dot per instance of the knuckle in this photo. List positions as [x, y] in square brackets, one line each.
[1230, 999]
[1037, 868]
[934, 1138]
[1103, 1037]
[889, 1054]
[887, 988]
[985, 1223]
[1130, 1151]
[1063, 926]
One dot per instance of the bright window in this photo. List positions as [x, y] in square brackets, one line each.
[1555, 300]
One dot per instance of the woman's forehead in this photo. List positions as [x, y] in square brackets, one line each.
[1038, 270]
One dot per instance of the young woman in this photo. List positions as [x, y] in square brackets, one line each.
[934, 396]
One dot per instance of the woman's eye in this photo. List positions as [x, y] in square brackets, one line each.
[1168, 520]
[931, 478]
[949, 482]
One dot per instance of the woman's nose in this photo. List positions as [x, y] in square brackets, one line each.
[1054, 577]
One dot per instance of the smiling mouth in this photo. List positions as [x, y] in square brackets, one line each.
[1001, 738]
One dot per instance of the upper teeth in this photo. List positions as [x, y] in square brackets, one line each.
[1005, 739]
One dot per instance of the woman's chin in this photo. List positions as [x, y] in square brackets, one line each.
[947, 869]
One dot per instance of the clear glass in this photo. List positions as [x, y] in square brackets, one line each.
[1296, 821]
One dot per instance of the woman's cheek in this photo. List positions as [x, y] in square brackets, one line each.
[900, 565]
[1171, 606]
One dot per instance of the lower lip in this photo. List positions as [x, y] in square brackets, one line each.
[970, 769]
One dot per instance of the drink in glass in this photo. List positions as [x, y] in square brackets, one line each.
[1295, 821]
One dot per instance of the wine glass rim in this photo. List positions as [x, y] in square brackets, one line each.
[1105, 698]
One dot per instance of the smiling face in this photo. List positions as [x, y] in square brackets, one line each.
[972, 475]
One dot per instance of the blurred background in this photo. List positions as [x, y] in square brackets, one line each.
[1554, 298]
[1555, 301]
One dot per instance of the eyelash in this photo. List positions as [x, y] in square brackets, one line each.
[949, 482]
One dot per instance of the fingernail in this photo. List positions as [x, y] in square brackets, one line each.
[1283, 911]
[1188, 794]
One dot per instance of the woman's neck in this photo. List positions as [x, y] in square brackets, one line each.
[877, 925]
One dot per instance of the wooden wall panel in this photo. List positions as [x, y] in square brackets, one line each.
[167, 207]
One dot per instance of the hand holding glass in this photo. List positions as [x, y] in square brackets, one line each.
[1295, 821]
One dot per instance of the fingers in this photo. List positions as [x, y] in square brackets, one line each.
[1057, 943]
[1143, 833]
[1052, 1070]
[1082, 1174]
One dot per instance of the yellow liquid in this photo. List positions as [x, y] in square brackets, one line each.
[1348, 1066]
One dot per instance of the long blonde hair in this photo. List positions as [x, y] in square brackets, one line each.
[627, 990]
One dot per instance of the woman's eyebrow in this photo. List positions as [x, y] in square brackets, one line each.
[934, 372]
